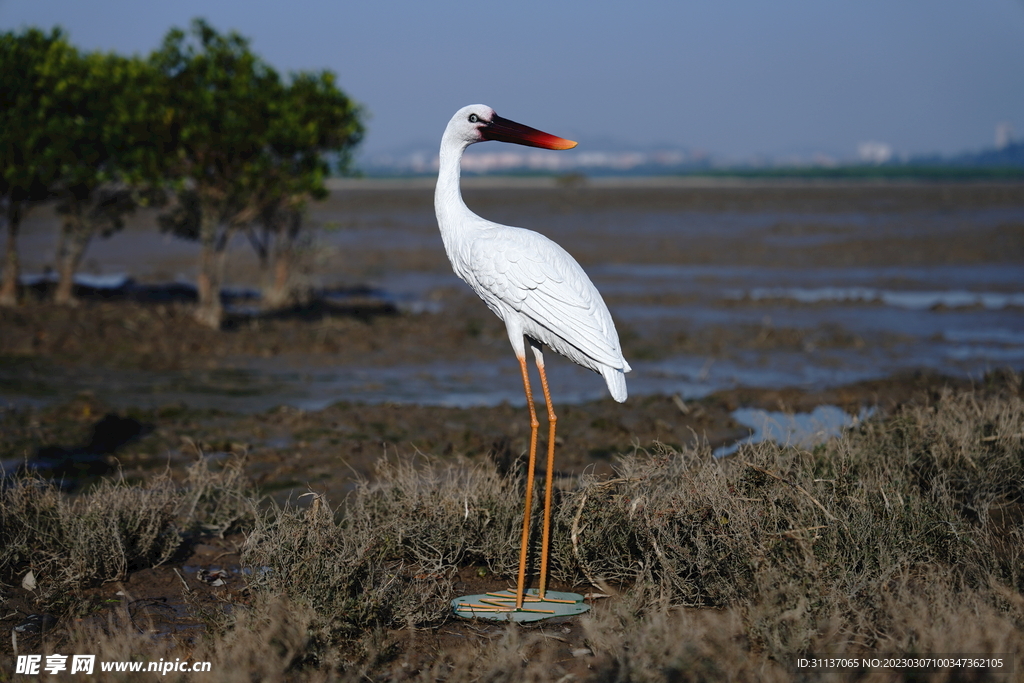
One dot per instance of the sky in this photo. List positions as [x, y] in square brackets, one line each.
[733, 78]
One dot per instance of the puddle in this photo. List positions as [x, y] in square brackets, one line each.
[163, 617]
[715, 281]
[914, 300]
[237, 300]
[990, 336]
[801, 430]
[262, 384]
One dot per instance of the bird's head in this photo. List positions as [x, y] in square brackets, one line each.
[479, 123]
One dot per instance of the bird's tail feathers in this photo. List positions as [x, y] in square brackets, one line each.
[616, 380]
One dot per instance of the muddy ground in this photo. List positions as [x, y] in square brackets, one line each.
[381, 227]
[290, 452]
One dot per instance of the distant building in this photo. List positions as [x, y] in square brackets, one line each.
[1004, 135]
[512, 159]
[874, 152]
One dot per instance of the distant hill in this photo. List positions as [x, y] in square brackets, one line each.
[1010, 156]
[1004, 163]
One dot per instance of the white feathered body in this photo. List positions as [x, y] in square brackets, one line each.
[529, 281]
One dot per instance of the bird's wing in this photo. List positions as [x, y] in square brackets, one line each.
[537, 278]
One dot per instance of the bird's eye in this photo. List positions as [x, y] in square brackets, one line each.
[473, 118]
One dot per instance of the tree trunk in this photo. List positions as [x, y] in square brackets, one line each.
[279, 295]
[75, 234]
[209, 311]
[12, 267]
[64, 295]
[281, 292]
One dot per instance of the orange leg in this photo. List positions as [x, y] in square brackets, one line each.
[546, 539]
[525, 542]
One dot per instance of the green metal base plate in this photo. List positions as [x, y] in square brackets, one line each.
[501, 606]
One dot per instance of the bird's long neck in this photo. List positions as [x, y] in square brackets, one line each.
[451, 210]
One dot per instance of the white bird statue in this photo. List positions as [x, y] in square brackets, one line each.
[532, 284]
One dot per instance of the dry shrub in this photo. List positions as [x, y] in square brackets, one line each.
[31, 513]
[517, 656]
[70, 543]
[305, 556]
[682, 644]
[903, 537]
[920, 487]
[388, 559]
[442, 515]
[674, 644]
[217, 501]
[267, 642]
[276, 641]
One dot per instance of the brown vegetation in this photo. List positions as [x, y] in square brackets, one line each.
[901, 537]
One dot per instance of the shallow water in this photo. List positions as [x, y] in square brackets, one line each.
[881, 284]
[801, 430]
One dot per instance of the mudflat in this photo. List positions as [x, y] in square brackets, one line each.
[424, 350]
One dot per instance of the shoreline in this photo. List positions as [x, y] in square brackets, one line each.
[578, 181]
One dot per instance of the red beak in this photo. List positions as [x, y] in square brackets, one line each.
[504, 130]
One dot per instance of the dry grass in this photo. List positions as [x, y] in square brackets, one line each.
[71, 543]
[387, 559]
[216, 501]
[902, 537]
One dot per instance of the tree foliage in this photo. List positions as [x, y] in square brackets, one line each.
[117, 147]
[33, 122]
[248, 145]
[314, 122]
[240, 148]
[219, 94]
